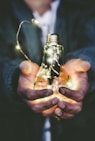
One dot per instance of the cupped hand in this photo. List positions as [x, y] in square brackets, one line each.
[79, 85]
[35, 99]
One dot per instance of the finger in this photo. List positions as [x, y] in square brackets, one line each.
[70, 108]
[49, 112]
[77, 65]
[35, 94]
[28, 67]
[67, 115]
[58, 112]
[41, 105]
[75, 95]
[82, 65]
[62, 115]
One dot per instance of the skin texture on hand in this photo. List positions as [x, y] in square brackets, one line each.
[44, 101]
[77, 72]
[35, 99]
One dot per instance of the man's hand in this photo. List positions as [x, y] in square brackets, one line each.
[77, 72]
[35, 99]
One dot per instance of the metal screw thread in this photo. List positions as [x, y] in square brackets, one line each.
[52, 38]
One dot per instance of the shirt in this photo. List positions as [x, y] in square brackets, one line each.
[47, 22]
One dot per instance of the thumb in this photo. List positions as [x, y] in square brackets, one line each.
[82, 65]
[28, 67]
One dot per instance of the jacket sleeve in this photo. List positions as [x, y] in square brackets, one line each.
[9, 72]
[85, 47]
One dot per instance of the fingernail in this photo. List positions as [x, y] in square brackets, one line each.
[61, 105]
[49, 92]
[55, 101]
[61, 89]
[58, 112]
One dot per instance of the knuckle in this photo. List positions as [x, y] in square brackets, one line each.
[79, 97]
[80, 108]
[35, 108]
[67, 116]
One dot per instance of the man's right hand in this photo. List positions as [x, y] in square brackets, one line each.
[35, 99]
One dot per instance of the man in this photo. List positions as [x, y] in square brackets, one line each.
[75, 26]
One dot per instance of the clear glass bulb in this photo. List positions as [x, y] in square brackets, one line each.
[50, 65]
[50, 69]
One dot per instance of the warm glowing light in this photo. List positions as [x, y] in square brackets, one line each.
[52, 53]
[17, 47]
[35, 22]
[50, 60]
[22, 52]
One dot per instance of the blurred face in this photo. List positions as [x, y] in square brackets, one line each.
[38, 5]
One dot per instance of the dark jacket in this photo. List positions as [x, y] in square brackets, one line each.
[75, 25]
